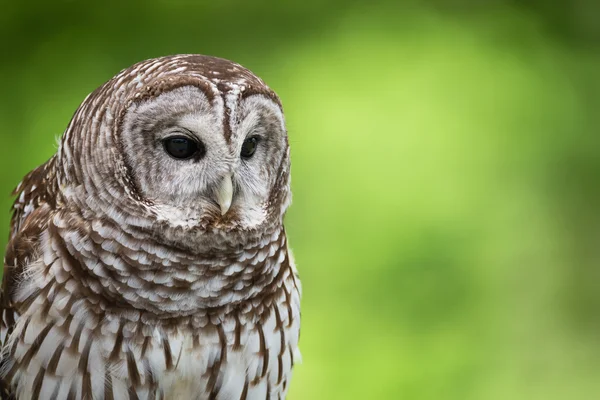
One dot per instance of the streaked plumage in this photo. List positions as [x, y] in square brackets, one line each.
[130, 274]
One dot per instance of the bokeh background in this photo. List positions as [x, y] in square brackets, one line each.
[446, 173]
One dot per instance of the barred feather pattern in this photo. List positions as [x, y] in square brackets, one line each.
[107, 296]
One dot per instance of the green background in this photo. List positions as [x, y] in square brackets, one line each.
[446, 173]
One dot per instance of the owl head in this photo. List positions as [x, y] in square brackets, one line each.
[189, 146]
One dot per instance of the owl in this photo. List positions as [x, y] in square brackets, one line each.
[148, 257]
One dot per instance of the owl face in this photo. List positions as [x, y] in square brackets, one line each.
[183, 161]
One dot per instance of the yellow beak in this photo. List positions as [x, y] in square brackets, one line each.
[225, 194]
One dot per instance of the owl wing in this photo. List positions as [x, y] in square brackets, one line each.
[36, 199]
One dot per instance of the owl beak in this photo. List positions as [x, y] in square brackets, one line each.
[225, 194]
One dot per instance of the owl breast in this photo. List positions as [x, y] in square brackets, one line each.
[70, 343]
[259, 367]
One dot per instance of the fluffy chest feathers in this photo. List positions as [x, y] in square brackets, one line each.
[74, 339]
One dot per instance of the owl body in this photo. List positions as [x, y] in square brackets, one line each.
[148, 258]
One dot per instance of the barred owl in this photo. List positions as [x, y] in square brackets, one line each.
[148, 258]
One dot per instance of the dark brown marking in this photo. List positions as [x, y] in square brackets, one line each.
[114, 355]
[237, 343]
[282, 347]
[76, 338]
[222, 342]
[263, 349]
[46, 293]
[278, 323]
[132, 393]
[279, 369]
[245, 390]
[37, 383]
[213, 381]
[288, 303]
[72, 391]
[150, 379]
[53, 363]
[134, 375]
[291, 354]
[227, 131]
[67, 324]
[23, 333]
[168, 355]
[85, 355]
[9, 314]
[145, 346]
[69, 306]
[277, 191]
[86, 386]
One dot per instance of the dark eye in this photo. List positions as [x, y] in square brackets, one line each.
[182, 148]
[249, 147]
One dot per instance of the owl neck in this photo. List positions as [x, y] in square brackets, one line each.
[129, 268]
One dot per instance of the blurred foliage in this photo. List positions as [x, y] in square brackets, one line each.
[446, 169]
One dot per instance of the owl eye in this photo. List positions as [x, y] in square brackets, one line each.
[182, 148]
[249, 147]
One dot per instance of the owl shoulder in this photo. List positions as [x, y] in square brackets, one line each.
[38, 188]
[31, 211]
